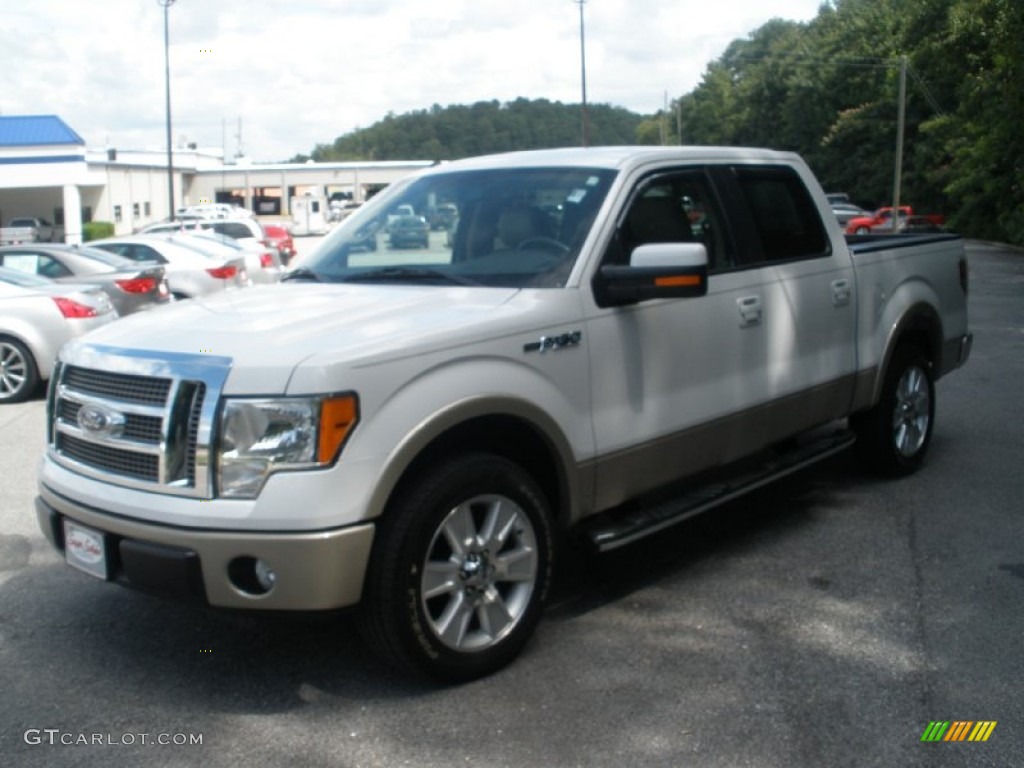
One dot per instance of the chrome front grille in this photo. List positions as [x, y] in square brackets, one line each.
[119, 461]
[144, 429]
[143, 423]
[119, 386]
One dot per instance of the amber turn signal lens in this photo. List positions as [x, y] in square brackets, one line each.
[676, 281]
[338, 415]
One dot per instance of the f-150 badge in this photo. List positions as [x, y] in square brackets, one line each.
[549, 343]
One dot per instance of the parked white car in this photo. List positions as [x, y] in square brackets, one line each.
[262, 262]
[190, 272]
[214, 211]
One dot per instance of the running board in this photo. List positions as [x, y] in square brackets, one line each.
[608, 532]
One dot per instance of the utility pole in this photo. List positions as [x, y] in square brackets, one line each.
[166, 4]
[664, 121]
[900, 124]
[584, 116]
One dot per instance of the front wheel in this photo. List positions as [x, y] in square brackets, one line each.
[460, 569]
[893, 437]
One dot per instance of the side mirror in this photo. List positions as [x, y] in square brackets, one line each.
[655, 271]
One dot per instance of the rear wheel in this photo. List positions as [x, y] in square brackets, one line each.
[19, 375]
[460, 569]
[893, 437]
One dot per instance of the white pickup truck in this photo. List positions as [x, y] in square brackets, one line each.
[608, 341]
[27, 229]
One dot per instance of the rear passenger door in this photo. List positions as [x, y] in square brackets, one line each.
[807, 290]
[682, 385]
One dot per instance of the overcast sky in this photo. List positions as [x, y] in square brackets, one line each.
[302, 72]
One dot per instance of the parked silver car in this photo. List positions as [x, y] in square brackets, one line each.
[190, 272]
[132, 287]
[37, 316]
[261, 262]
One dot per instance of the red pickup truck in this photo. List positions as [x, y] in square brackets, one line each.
[881, 220]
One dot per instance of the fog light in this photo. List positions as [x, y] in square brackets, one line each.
[251, 576]
[265, 577]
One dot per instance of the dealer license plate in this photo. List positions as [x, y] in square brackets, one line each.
[85, 549]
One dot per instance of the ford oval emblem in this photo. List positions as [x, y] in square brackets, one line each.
[100, 421]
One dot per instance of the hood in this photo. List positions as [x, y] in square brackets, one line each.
[268, 330]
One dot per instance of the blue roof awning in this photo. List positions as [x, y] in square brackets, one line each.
[36, 130]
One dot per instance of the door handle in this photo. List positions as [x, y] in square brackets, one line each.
[750, 310]
[840, 293]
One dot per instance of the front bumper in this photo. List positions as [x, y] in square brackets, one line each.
[314, 571]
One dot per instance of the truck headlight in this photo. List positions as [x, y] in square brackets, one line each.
[261, 436]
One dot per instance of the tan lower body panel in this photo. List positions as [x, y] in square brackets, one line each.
[627, 474]
[315, 571]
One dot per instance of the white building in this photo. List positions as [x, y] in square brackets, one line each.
[46, 171]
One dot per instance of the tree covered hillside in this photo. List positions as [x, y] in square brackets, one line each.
[826, 89]
[447, 133]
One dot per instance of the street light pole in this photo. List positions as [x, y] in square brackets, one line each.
[166, 4]
[584, 116]
[901, 111]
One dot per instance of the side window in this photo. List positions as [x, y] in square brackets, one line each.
[118, 248]
[51, 268]
[134, 252]
[145, 253]
[783, 214]
[35, 264]
[676, 208]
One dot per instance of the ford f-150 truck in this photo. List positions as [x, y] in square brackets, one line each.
[609, 341]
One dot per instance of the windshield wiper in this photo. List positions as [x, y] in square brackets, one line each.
[407, 274]
[302, 273]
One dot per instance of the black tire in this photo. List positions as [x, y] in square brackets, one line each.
[893, 437]
[19, 375]
[460, 570]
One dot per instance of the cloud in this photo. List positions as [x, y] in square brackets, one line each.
[298, 74]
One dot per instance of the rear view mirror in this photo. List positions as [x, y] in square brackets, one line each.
[655, 271]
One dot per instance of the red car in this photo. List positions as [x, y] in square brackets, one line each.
[881, 220]
[280, 237]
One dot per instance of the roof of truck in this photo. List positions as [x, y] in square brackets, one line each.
[618, 157]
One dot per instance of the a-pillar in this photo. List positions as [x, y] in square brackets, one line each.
[72, 215]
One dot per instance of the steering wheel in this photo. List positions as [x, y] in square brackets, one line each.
[543, 243]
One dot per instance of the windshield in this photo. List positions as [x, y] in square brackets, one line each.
[513, 227]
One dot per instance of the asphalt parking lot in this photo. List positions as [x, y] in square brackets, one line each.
[825, 621]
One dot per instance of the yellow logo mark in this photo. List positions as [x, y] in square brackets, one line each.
[959, 730]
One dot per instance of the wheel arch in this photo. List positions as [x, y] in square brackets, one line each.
[512, 429]
[35, 343]
[919, 326]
